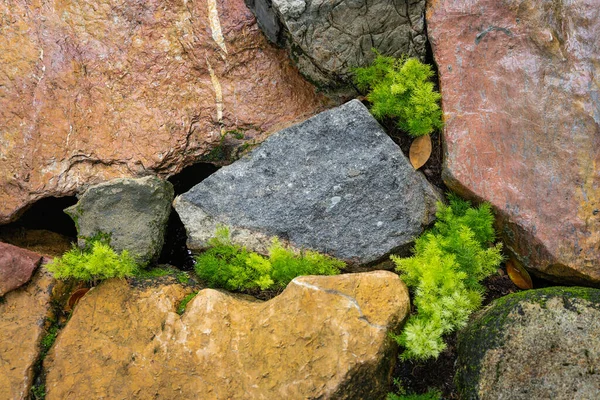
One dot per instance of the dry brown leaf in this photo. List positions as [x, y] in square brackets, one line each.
[420, 151]
[518, 274]
[75, 297]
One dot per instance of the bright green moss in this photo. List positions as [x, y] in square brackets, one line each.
[401, 89]
[96, 262]
[233, 267]
[448, 263]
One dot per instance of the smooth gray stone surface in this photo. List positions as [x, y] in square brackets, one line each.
[134, 212]
[335, 183]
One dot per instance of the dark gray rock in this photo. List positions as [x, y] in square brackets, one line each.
[335, 183]
[133, 211]
[538, 344]
[329, 37]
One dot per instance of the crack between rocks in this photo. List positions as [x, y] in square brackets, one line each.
[350, 299]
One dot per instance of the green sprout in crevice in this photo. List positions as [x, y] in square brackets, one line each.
[184, 302]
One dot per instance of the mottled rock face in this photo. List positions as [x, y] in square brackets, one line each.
[521, 100]
[323, 337]
[538, 344]
[22, 314]
[133, 211]
[328, 38]
[16, 266]
[91, 90]
[335, 183]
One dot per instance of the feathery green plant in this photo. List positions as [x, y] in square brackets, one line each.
[445, 271]
[96, 261]
[233, 267]
[401, 88]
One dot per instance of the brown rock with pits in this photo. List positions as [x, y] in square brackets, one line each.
[521, 100]
[94, 90]
[323, 337]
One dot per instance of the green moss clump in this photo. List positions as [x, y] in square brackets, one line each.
[184, 302]
[233, 267]
[401, 89]
[96, 262]
[448, 263]
[431, 395]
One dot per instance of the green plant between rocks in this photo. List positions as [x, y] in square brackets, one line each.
[182, 306]
[233, 267]
[400, 88]
[449, 262]
[97, 261]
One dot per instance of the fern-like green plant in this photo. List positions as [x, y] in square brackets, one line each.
[401, 89]
[445, 272]
[96, 262]
[233, 267]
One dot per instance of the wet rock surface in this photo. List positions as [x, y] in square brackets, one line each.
[98, 90]
[522, 123]
[335, 183]
[16, 266]
[323, 337]
[134, 212]
[22, 315]
[537, 344]
[328, 38]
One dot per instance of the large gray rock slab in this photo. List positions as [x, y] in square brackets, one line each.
[538, 344]
[327, 38]
[335, 183]
[133, 211]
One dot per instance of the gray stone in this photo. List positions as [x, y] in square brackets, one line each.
[327, 38]
[335, 183]
[538, 344]
[133, 211]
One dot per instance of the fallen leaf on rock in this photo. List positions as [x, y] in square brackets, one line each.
[75, 297]
[420, 151]
[518, 275]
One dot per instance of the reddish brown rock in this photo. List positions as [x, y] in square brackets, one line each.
[91, 90]
[521, 100]
[16, 266]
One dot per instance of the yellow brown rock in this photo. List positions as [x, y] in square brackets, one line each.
[323, 337]
[22, 315]
[94, 90]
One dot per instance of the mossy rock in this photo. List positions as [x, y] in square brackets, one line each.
[532, 345]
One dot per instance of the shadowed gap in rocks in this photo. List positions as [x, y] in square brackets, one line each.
[175, 251]
[43, 227]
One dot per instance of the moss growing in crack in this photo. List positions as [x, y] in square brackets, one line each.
[184, 302]
[183, 277]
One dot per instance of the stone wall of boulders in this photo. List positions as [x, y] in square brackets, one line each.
[106, 100]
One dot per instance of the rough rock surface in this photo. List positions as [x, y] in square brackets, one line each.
[538, 344]
[323, 337]
[327, 38]
[133, 211]
[521, 100]
[22, 314]
[16, 266]
[95, 90]
[335, 183]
